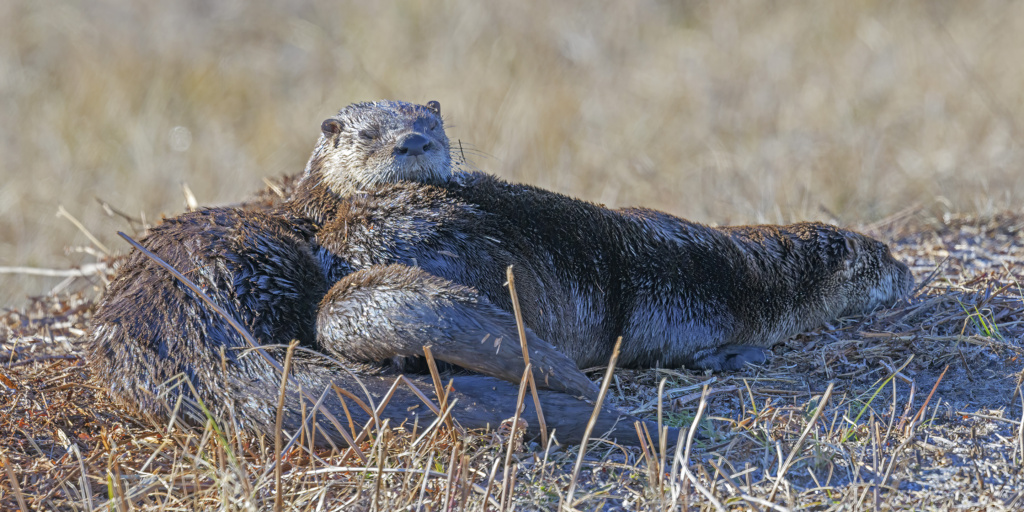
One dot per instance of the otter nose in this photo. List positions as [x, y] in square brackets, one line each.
[413, 144]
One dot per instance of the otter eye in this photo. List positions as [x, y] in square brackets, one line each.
[368, 134]
[330, 127]
[435, 106]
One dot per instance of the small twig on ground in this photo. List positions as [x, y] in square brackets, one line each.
[14, 483]
[89, 269]
[41, 359]
[61, 212]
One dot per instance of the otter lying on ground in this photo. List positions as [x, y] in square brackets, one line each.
[679, 293]
[153, 339]
[382, 250]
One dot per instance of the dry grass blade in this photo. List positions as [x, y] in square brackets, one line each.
[419, 394]
[662, 432]
[61, 212]
[114, 486]
[708, 495]
[83, 478]
[800, 442]
[375, 414]
[924, 406]
[735, 487]
[526, 353]
[14, 483]
[442, 418]
[191, 204]
[245, 335]
[439, 389]
[681, 459]
[86, 270]
[278, 454]
[593, 419]
[506, 487]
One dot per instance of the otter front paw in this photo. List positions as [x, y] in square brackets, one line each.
[731, 358]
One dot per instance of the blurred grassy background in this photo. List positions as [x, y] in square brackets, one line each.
[716, 111]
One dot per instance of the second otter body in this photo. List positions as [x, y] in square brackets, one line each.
[679, 293]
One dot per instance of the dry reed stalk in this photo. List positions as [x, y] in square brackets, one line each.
[439, 389]
[279, 497]
[526, 353]
[191, 204]
[453, 467]
[425, 472]
[739, 491]
[662, 437]
[114, 484]
[375, 413]
[434, 426]
[593, 419]
[378, 480]
[464, 479]
[681, 460]
[490, 481]
[514, 431]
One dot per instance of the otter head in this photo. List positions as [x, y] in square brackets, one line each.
[368, 144]
[860, 272]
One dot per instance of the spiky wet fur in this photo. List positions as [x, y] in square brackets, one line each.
[678, 292]
[154, 341]
[416, 263]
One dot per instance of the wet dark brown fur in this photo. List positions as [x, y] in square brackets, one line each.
[412, 263]
[154, 341]
[679, 293]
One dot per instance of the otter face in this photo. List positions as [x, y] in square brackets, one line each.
[368, 144]
[871, 277]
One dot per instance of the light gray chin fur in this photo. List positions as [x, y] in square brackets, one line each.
[420, 168]
[429, 169]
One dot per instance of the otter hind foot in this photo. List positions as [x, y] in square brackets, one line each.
[732, 357]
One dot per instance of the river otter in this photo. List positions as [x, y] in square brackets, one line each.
[422, 261]
[152, 338]
[679, 293]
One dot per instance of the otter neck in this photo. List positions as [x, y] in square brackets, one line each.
[317, 200]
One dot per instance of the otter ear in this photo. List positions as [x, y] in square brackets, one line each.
[852, 250]
[330, 127]
[851, 245]
[435, 106]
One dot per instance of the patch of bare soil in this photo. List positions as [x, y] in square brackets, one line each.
[917, 407]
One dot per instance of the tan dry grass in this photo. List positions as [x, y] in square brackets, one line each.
[918, 407]
[717, 111]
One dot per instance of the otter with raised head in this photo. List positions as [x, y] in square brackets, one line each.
[678, 292]
[154, 341]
